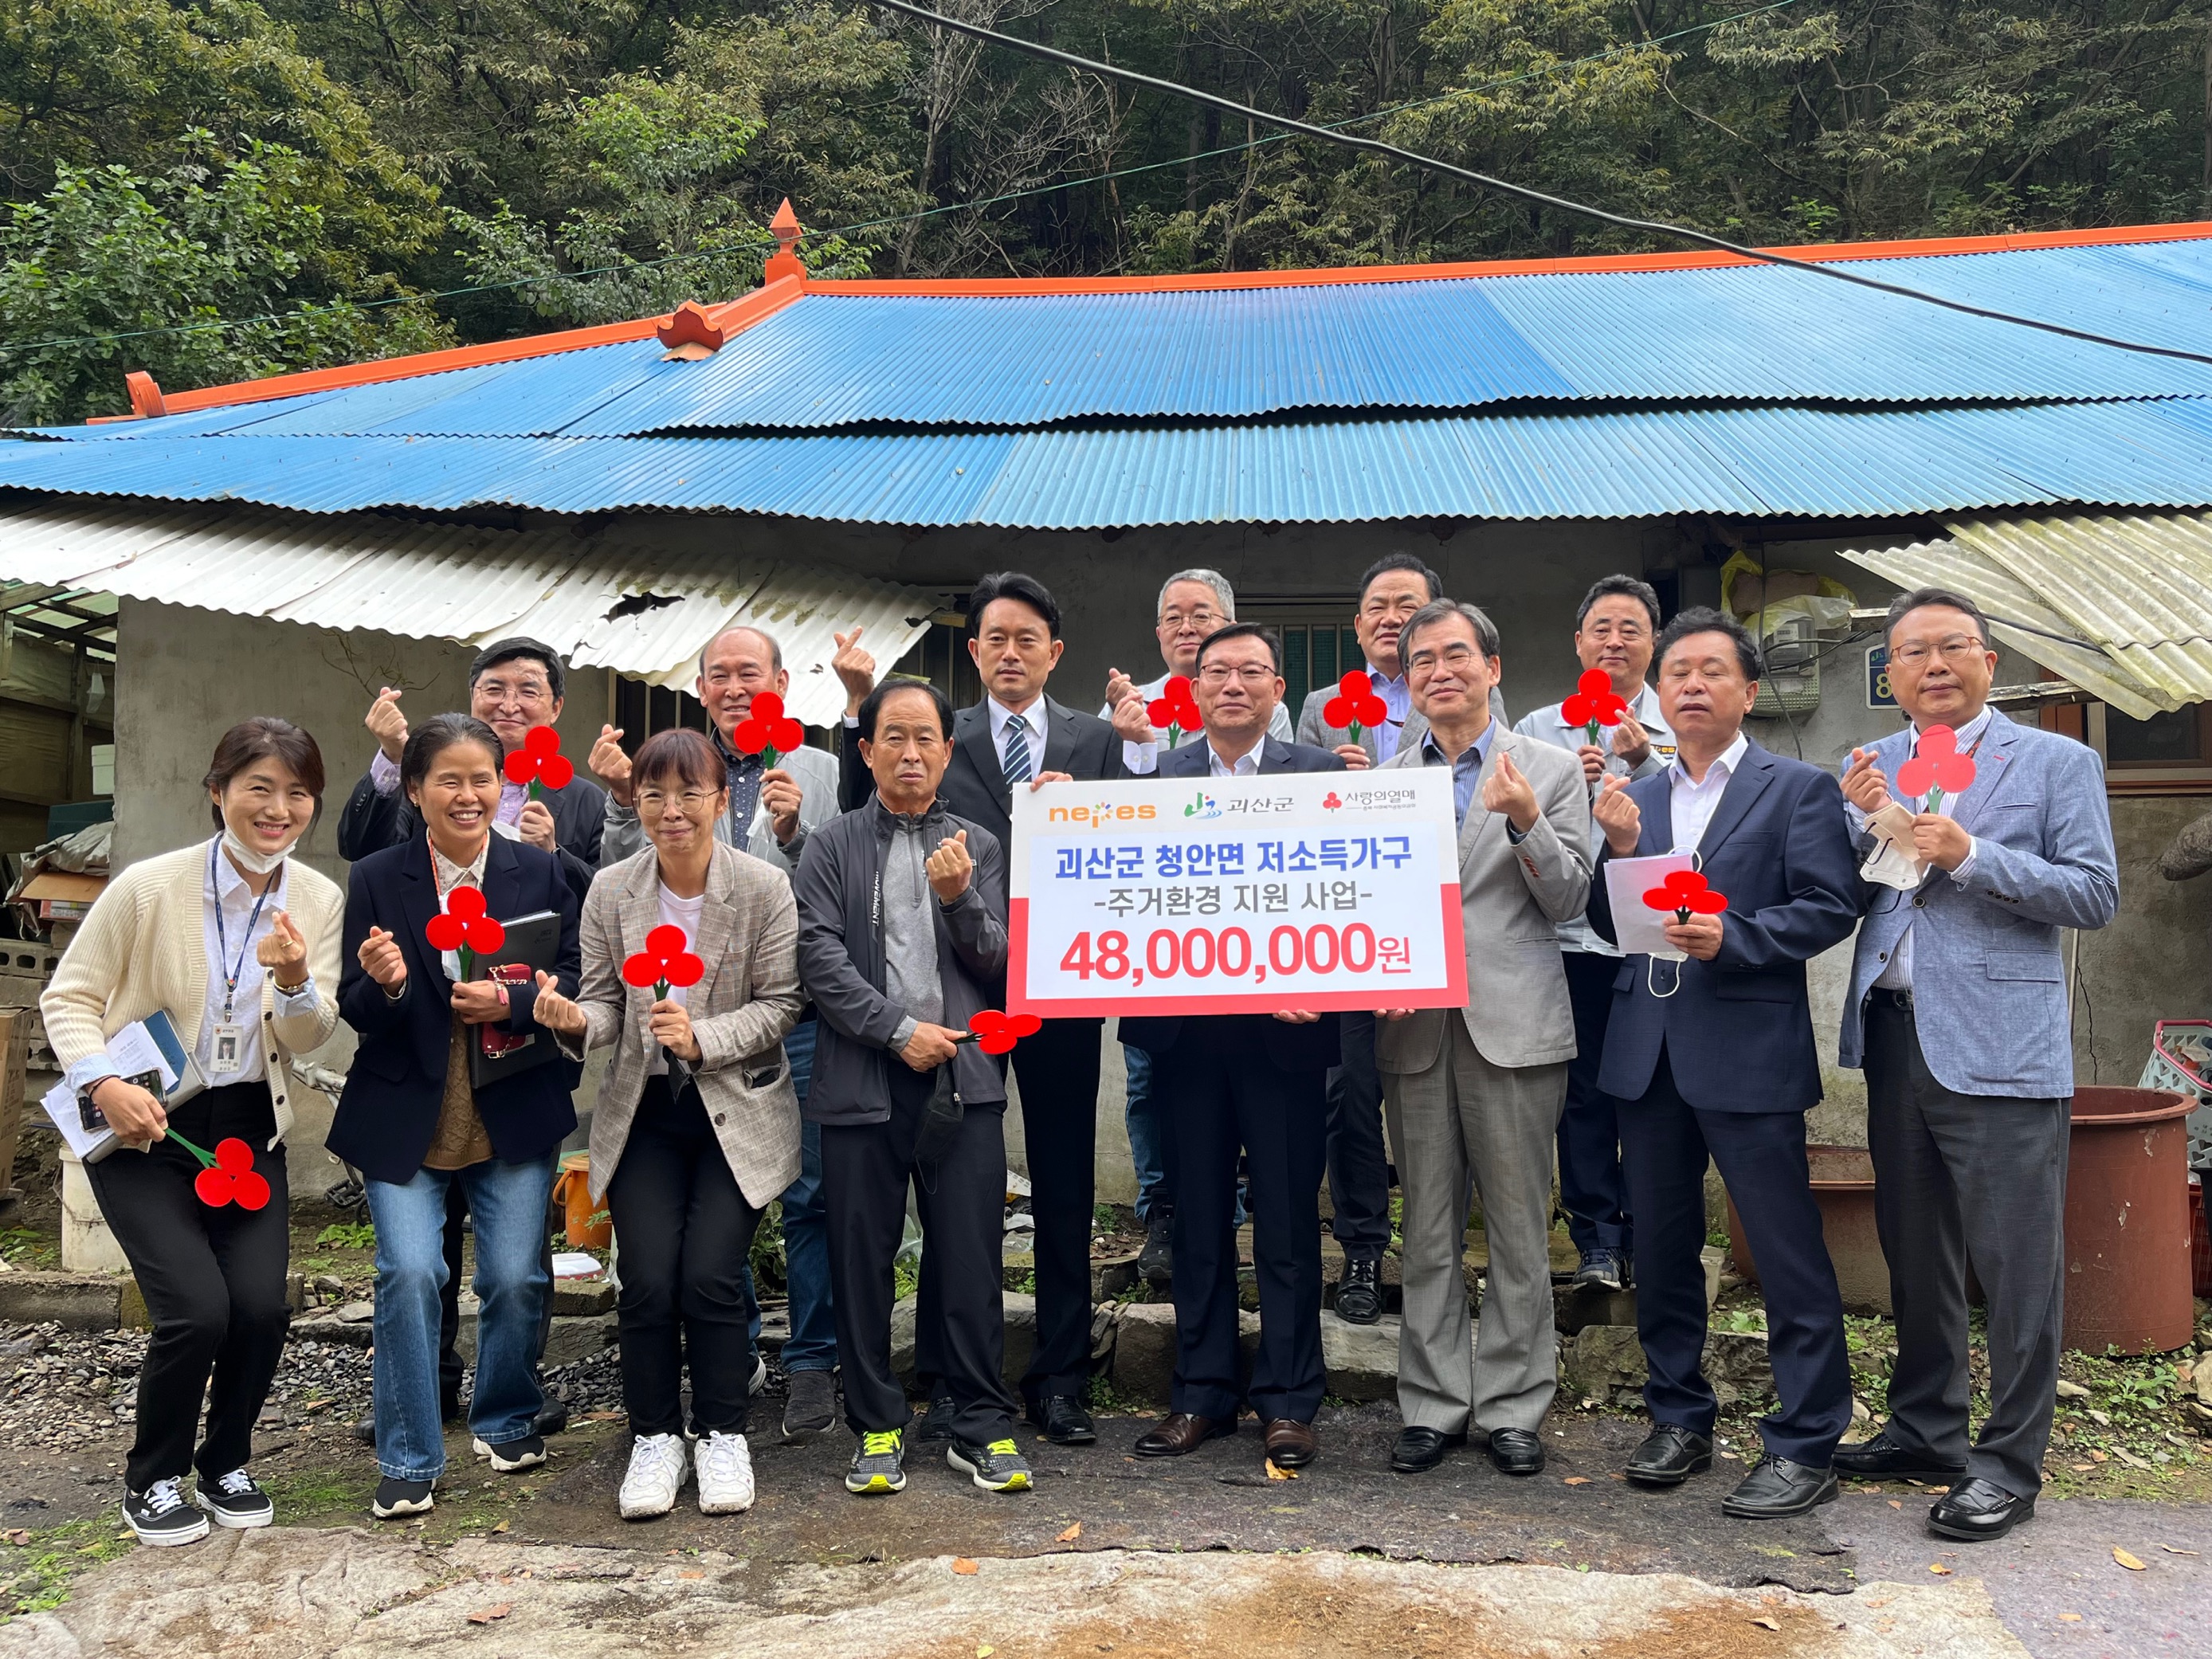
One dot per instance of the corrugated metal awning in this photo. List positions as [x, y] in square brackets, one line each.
[642, 614]
[2121, 604]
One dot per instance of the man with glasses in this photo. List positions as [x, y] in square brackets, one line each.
[1476, 1092]
[772, 811]
[514, 685]
[1193, 606]
[1614, 633]
[1959, 1012]
[1249, 1083]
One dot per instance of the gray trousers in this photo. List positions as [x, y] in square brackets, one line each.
[1467, 1120]
[1961, 1178]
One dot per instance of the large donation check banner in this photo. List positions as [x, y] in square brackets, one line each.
[1320, 890]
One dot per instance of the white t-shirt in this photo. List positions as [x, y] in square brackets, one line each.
[676, 913]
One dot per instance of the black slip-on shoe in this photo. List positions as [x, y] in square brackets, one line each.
[1976, 1511]
[1419, 1449]
[1517, 1451]
[395, 1497]
[1883, 1459]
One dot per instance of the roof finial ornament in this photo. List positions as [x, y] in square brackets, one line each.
[784, 262]
[690, 333]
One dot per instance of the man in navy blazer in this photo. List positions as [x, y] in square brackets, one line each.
[1713, 1055]
[1960, 1013]
[1248, 1082]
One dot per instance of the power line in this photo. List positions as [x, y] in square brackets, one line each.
[761, 244]
[1526, 193]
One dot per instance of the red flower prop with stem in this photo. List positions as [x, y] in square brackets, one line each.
[1174, 711]
[463, 927]
[996, 1033]
[1594, 703]
[766, 731]
[1355, 704]
[227, 1175]
[666, 960]
[1686, 894]
[1937, 767]
[539, 762]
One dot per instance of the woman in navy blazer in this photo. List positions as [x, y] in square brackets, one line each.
[410, 1122]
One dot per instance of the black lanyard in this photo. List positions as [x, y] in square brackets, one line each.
[221, 943]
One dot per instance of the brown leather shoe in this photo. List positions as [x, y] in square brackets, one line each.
[1180, 1434]
[1291, 1444]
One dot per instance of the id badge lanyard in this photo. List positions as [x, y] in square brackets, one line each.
[227, 1053]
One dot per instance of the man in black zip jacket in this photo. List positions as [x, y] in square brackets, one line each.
[902, 938]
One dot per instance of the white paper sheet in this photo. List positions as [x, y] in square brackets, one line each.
[575, 1264]
[1639, 929]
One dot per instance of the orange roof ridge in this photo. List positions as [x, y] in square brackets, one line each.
[760, 303]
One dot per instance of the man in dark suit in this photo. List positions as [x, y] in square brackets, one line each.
[514, 685]
[1018, 735]
[1251, 1083]
[1712, 1055]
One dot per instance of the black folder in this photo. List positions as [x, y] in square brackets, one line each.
[533, 946]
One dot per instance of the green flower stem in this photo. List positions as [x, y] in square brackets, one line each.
[207, 1159]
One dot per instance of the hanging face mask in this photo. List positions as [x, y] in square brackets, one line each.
[251, 859]
[1673, 959]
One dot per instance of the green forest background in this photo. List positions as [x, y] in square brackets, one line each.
[340, 180]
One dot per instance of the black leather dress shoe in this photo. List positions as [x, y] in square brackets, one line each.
[1418, 1450]
[1359, 1292]
[1517, 1451]
[1777, 1488]
[1979, 1510]
[1064, 1421]
[1180, 1433]
[1669, 1455]
[1883, 1459]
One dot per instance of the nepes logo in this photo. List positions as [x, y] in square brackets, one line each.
[1102, 816]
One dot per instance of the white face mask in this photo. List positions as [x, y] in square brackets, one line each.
[254, 862]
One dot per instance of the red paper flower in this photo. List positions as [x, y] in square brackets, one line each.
[996, 1033]
[1176, 707]
[463, 925]
[666, 960]
[540, 761]
[228, 1175]
[1686, 893]
[1594, 702]
[766, 730]
[1355, 704]
[1937, 767]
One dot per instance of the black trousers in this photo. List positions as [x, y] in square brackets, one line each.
[1963, 1179]
[1592, 1189]
[1761, 1158]
[1224, 1094]
[1058, 1071]
[866, 1171]
[214, 1283]
[686, 1231]
[1359, 1167]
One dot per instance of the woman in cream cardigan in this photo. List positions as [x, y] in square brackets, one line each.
[238, 943]
[697, 1124]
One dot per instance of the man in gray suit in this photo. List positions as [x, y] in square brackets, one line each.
[1959, 1012]
[772, 809]
[1476, 1094]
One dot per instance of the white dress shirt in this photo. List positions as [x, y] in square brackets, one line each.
[1693, 803]
[681, 913]
[1898, 975]
[1033, 718]
[1548, 725]
[242, 933]
[1246, 765]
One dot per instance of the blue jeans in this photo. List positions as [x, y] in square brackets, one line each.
[508, 1201]
[812, 1344]
[1147, 1134]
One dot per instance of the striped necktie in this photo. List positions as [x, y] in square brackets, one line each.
[1015, 761]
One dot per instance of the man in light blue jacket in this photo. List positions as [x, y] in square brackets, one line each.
[1960, 1013]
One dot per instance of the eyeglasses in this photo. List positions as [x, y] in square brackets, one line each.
[1457, 658]
[691, 801]
[1959, 648]
[527, 694]
[1220, 673]
[1200, 619]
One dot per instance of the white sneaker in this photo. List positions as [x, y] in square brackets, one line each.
[657, 1470]
[725, 1474]
[760, 1376]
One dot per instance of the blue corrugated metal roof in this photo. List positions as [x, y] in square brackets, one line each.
[1753, 462]
[1742, 335]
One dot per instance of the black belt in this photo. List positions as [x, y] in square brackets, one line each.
[1885, 996]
